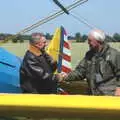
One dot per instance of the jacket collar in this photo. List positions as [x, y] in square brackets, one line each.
[34, 50]
[105, 48]
[103, 51]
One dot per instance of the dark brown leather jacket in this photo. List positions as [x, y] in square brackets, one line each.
[36, 73]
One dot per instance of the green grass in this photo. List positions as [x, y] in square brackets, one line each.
[16, 48]
[78, 50]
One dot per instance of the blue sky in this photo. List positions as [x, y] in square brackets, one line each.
[18, 14]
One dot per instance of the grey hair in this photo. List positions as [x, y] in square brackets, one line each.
[35, 37]
[98, 35]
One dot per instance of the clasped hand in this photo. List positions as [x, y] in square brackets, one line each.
[62, 76]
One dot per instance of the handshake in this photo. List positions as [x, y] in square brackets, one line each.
[62, 76]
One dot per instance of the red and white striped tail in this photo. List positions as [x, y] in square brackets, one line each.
[66, 56]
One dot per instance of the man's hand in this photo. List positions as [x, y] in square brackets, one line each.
[117, 92]
[62, 76]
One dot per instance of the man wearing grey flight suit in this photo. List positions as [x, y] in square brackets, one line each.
[100, 67]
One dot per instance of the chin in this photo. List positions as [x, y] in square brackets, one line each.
[42, 50]
[92, 48]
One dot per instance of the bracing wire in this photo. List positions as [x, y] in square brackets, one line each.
[45, 20]
[83, 20]
[79, 19]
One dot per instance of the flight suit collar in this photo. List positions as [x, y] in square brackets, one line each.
[103, 51]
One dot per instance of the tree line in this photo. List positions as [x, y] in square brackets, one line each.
[78, 37]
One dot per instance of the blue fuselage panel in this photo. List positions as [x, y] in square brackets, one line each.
[9, 72]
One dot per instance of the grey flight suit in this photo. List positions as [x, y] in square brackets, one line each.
[102, 71]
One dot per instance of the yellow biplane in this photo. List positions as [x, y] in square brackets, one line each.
[29, 106]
